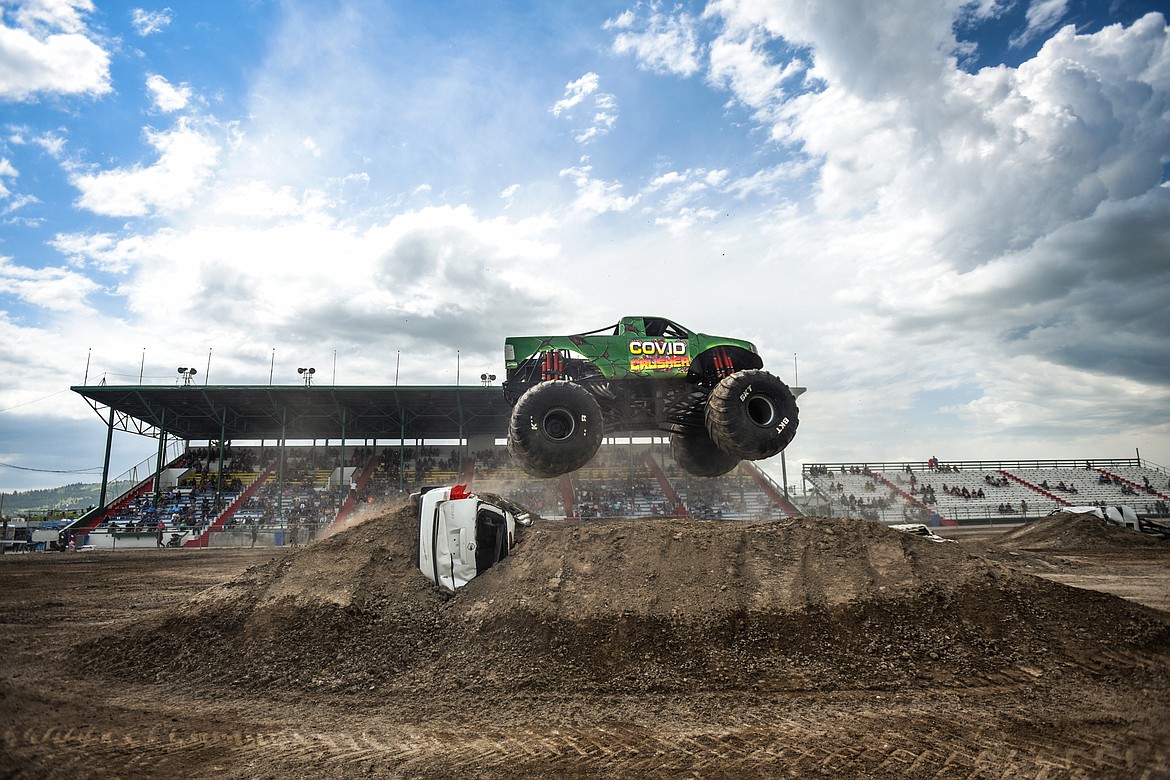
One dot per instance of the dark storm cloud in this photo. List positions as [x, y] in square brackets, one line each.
[1091, 296]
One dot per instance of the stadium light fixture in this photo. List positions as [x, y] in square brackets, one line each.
[307, 373]
[187, 373]
[487, 379]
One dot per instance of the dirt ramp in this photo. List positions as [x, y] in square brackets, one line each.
[364, 565]
[1066, 531]
[692, 569]
[808, 603]
[637, 605]
[344, 611]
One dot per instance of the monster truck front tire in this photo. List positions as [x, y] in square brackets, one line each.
[751, 415]
[698, 455]
[556, 428]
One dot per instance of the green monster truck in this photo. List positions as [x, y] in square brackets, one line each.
[643, 374]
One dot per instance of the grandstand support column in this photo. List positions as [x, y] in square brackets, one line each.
[106, 462]
[162, 451]
[401, 450]
[280, 479]
[342, 484]
[219, 474]
[462, 440]
[784, 475]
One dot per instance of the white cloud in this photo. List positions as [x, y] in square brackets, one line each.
[305, 281]
[1078, 124]
[259, 200]
[51, 51]
[575, 92]
[742, 65]
[186, 161]
[660, 42]
[602, 105]
[684, 197]
[53, 143]
[685, 219]
[7, 170]
[67, 15]
[103, 251]
[150, 22]
[166, 96]
[596, 196]
[50, 289]
[1042, 16]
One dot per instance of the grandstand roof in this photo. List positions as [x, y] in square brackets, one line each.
[272, 412]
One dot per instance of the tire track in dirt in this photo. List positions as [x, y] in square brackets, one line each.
[788, 745]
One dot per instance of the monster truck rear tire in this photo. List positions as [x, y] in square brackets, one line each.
[698, 455]
[751, 415]
[556, 428]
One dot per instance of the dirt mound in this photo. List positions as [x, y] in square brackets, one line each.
[1080, 531]
[639, 605]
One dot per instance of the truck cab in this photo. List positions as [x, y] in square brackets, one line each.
[636, 347]
[461, 535]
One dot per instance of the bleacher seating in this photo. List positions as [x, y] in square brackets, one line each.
[634, 480]
[980, 492]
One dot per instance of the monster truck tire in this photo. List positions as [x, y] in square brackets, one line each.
[751, 415]
[698, 455]
[556, 428]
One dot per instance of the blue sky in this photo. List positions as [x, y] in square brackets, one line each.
[954, 214]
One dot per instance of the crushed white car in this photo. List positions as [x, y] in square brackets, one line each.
[1118, 515]
[461, 535]
[919, 529]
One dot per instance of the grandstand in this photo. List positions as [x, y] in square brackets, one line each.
[268, 489]
[977, 492]
[625, 480]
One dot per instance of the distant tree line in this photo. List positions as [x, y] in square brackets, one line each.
[75, 497]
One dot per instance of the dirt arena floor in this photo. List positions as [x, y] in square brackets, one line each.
[807, 647]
